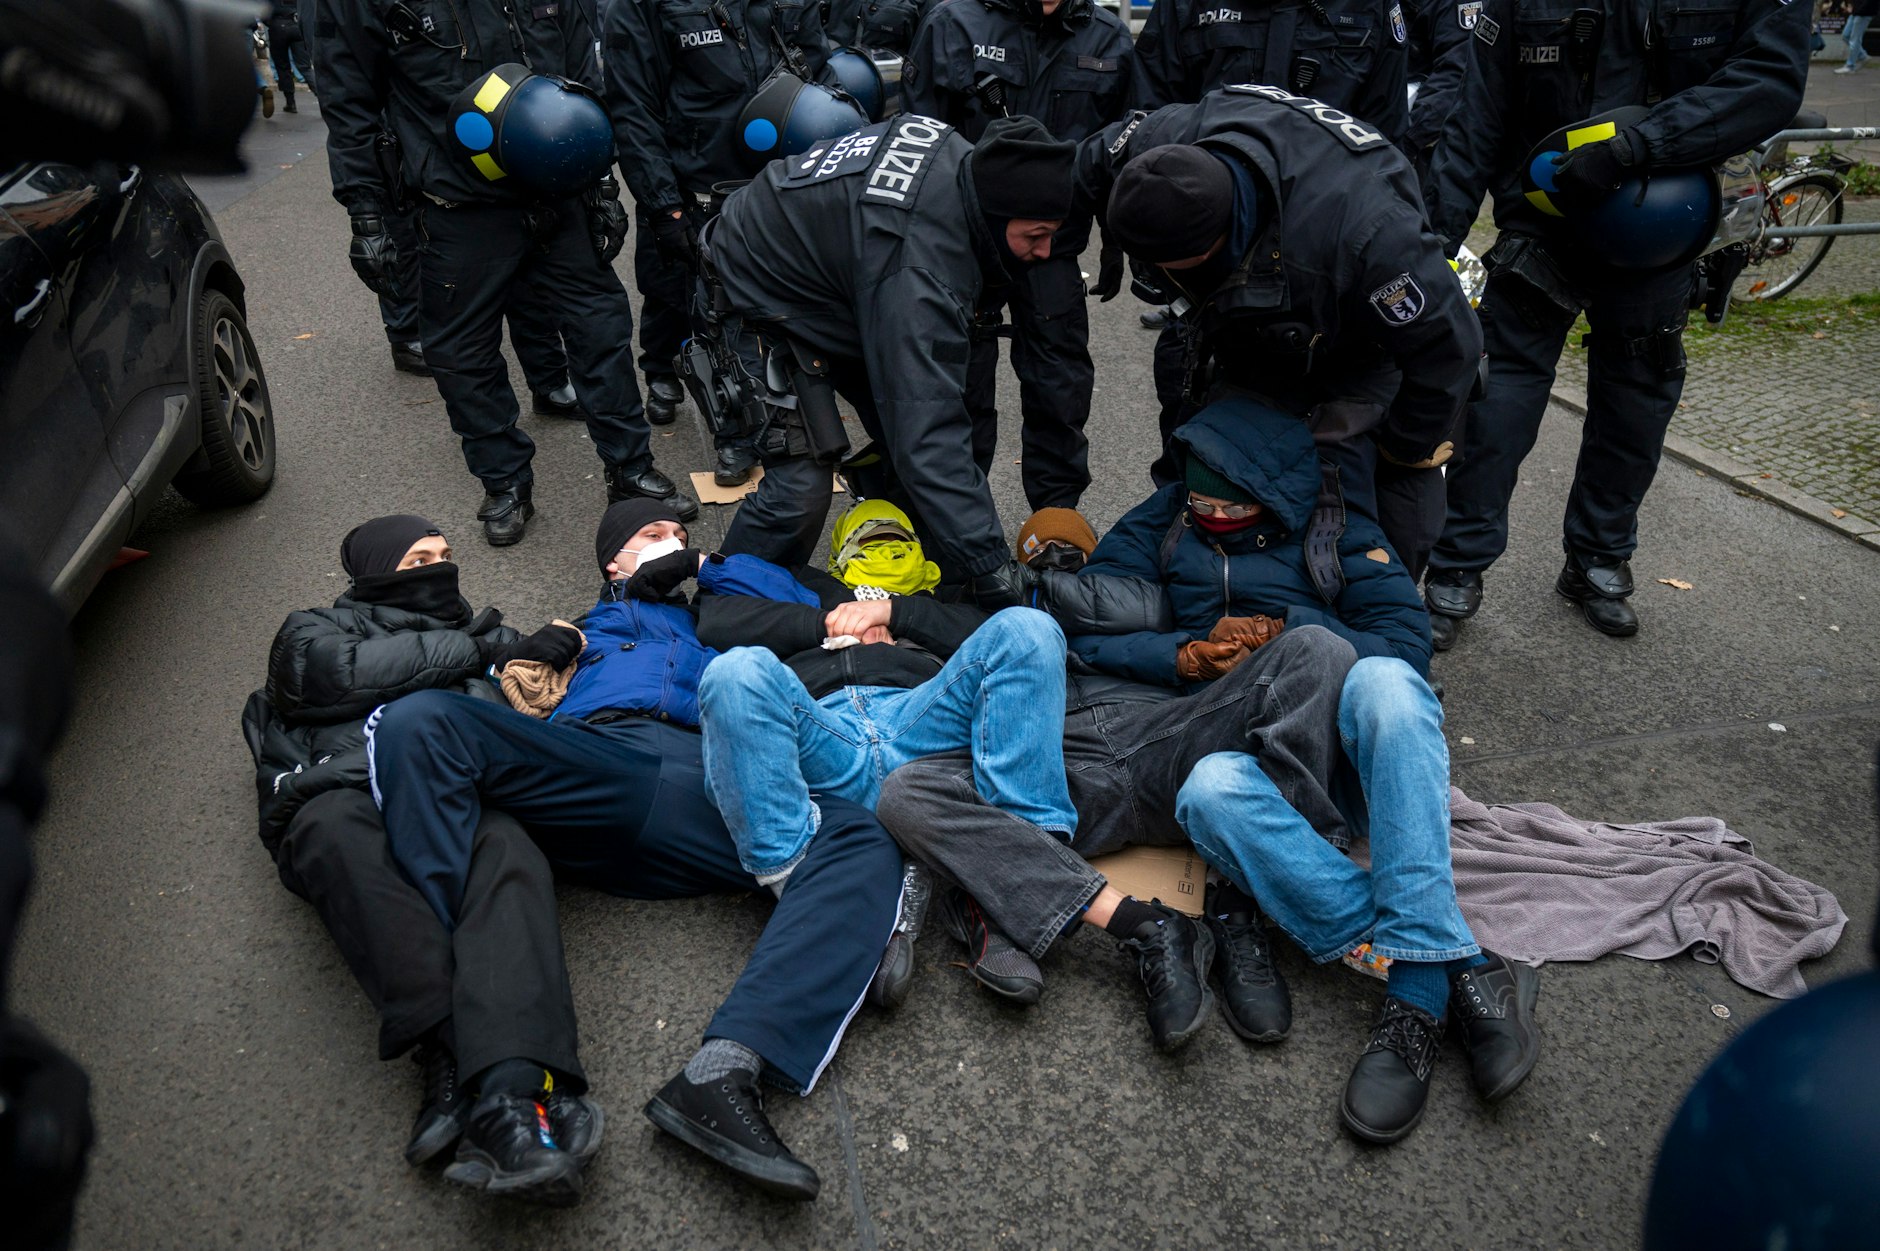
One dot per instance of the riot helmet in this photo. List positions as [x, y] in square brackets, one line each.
[547, 133]
[855, 70]
[787, 116]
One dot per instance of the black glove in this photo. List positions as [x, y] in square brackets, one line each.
[675, 236]
[1008, 586]
[1109, 274]
[373, 254]
[659, 579]
[554, 645]
[1594, 170]
[606, 219]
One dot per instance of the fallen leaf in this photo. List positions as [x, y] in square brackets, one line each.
[308, 335]
[1679, 583]
[1838, 513]
[1765, 475]
[1819, 334]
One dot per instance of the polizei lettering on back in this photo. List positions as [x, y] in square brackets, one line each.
[898, 167]
[989, 52]
[1355, 134]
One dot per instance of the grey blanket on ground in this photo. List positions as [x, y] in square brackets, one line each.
[1537, 884]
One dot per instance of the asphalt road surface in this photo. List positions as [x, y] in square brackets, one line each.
[239, 1100]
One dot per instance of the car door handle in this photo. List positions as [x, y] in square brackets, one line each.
[28, 313]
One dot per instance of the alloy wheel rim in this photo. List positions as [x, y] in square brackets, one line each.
[239, 390]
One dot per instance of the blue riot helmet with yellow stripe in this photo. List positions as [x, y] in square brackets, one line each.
[856, 72]
[1656, 219]
[788, 116]
[536, 131]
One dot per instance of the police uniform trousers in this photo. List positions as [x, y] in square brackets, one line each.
[495, 988]
[665, 285]
[622, 807]
[1635, 373]
[1051, 356]
[474, 259]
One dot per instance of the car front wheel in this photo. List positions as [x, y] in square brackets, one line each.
[237, 416]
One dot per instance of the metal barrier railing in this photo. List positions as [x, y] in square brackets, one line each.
[1823, 134]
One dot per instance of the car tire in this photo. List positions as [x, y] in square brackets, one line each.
[237, 416]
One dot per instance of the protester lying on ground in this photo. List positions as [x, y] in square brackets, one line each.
[1334, 661]
[486, 1004]
[612, 788]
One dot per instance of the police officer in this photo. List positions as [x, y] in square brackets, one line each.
[869, 252]
[1716, 79]
[678, 77]
[1067, 64]
[884, 25]
[1296, 234]
[395, 68]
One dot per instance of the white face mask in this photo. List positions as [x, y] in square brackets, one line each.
[654, 550]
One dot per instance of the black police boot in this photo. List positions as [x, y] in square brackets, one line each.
[1385, 1095]
[1495, 1003]
[505, 515]
[663, 397]
[992, 959]
[577, 1122]
[1603, 593]
[725, 1120]
[626, 484]
[408, 358]
[1452, 595]
[509, 1149]
[1254, 997]
[560, 402]
[734, 466]
[445, 1108]
[1174, 955]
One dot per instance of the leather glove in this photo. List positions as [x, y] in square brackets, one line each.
[373, 255]
[1594, 170]
[1203, 661]
[660, 579]
[675, 236]
[606, 219]
[1109, 274]
[554, 645]
[1008, 586]
[1251, 633]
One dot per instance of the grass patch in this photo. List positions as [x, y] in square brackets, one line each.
[1753, 324]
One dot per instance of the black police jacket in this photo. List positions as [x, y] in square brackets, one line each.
[869, 247]
[1348, 53]
[1343, 284]
[887, 25]
[679, 72]
[402, 63]
[1438, 63]
[1719, 77]
[328, 668]
[980, 59]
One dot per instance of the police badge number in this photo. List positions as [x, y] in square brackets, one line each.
[1397, 30]
[1468, 14]
[1398, 301]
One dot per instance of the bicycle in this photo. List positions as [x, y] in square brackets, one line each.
[1797, 191]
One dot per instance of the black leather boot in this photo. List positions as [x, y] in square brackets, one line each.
[505, 515]
[408, 358]
[1603, 593]
[1384, 1097]
[624, 484]
[560, 402]
[663, 397]
[1495, 1004]
[734, 466]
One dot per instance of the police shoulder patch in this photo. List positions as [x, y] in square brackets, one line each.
[1488, 30]
[1398, 301]
[1468, 13]
[834, 158]
[1398, 32]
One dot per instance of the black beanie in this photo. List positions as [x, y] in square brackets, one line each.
[376, 546]
[1170, 203]
[624, 520]
[1019, 170]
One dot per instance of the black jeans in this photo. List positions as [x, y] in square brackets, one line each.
[474, 258]
[1126, 763]
[497, 985]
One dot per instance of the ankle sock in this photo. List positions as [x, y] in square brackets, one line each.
[513, 1077]
[1130, 915]
[1463, 965]
[718, 1057]
[1420, 985]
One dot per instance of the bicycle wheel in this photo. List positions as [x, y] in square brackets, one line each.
[1777, 266]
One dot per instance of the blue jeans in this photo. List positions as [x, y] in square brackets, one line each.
[1405, 905]
[768, 744]
[1855, 32]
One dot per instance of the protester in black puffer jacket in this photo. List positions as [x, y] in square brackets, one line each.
[487, 1003]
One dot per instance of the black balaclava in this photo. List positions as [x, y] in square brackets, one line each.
[1019, 170]
[624, 520]
[370, 555]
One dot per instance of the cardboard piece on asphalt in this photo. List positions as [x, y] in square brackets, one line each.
[709, 492]
[1178, 876]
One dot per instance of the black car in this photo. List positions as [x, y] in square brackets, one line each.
[125, 364]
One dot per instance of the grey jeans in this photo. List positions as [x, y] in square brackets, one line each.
[1126, 762]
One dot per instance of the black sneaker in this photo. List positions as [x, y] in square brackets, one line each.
[895, 973]
[505, 515]
[991, 958]
[408, 358]
[734, 466]
[444, 1109]
[648, 483]
[663, 397]
[1254, 998]
[1384, 1097]
[561, 402]
[1495, 1004]
[509, 1149]
[577, 1122]
[1174, 955]
[725, 1120]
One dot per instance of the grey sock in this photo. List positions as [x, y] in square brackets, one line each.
[719, 1056]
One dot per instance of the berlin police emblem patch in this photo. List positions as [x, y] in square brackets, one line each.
[1468, 14]
[1397, 30]
[1398, 301]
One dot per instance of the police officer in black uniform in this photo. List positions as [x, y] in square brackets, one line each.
[678, 76]
[395, 67]
[1296, 233]
[1718, 77]
[869, 252]
[884, 25]
[1067, 64]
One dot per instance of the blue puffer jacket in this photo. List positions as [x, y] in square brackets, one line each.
[645, 658]
[1261, 570]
